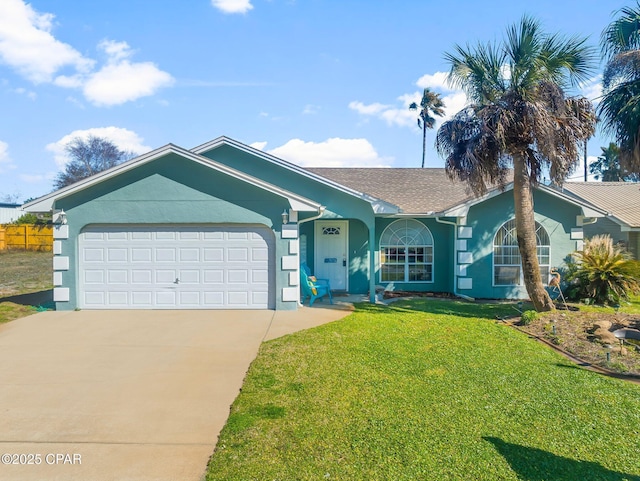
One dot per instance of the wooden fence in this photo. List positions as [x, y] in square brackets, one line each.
[26, 237]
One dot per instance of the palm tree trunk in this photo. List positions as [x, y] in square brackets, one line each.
[526, 232]
[424, 141]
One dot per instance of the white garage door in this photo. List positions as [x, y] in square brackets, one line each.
[175, 267]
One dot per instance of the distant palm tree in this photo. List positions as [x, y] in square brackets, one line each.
[431, 103]
[620, 106]
[519, 117]
[608, 169]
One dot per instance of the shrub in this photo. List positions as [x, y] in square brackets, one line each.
[603, 272]
[528, 317]
[30, 218]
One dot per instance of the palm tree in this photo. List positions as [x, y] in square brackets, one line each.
[620, 106]
[608, 169]
[431, 103]
[519, 117]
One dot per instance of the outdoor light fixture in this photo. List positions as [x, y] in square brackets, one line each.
[60, 217]
[285, 216]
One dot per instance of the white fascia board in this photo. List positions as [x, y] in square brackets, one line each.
[379, 206]
[45, 203]
[461, 210]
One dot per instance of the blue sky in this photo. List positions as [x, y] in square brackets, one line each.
[316, 82]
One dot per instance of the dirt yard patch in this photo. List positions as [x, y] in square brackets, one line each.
[589, 336]
[22, 272]
[26, 280]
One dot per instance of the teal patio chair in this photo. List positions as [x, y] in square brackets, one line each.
[313, 288]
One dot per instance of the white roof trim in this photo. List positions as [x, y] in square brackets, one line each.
[45, 203]
[379, 206]
[462, 210]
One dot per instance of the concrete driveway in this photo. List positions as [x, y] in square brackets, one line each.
[126, 395]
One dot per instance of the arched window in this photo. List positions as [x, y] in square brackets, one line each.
[507, 264]
[406, 252]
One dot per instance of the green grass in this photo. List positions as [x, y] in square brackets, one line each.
[426, 390]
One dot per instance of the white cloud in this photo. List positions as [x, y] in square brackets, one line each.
[592, 89]
[120, 80]
[259, 145]
[28, 46]
[124, 139]
[232, 6]
[436, 81]
[5, 160]
[454, 100]
[333, 152]
[310, 109]
[30, 94]
[26, 43]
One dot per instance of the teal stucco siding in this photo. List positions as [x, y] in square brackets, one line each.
[556, 216]
[168, 191]
[443, 246]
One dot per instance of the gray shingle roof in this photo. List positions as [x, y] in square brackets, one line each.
[415, 191]
[620, 199]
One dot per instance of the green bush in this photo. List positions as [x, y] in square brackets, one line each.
[32, 219]
[528, 317]
[603, 272]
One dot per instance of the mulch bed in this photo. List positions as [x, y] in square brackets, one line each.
[575, 333]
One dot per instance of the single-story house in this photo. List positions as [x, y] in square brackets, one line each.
[621, 203]
[224, 225]
[9, 212]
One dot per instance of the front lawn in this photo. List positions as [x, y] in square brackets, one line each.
[426, 390]
[25, 278]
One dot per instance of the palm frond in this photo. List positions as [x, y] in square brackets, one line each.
[622, 34]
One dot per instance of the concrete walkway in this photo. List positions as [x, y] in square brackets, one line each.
[127, 395]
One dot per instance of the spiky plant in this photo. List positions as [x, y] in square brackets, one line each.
[604, 272]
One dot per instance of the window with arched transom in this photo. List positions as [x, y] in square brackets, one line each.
[406, 252]
[507, 263]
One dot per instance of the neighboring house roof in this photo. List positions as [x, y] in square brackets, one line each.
[45, 203]
[620, 200]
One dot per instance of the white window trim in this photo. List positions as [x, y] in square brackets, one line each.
[406, 264]
[521, 281]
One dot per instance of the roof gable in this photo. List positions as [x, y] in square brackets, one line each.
[378, 204]
[46, 203]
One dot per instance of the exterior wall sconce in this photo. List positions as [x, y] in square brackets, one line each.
[285, 216]
[60, 217]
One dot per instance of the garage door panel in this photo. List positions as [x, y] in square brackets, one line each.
[141, 298]
[117, 255]
[237, 254]
[176, 267]
[189, 255]
[165, 254]
[213, 276]
[140, 254]
[237, 298]
[166, 276]
[117, 276]
[94, 276]
[93, 255]
[237, 276]
[141, 276]
[189, 276]
[118, 298]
